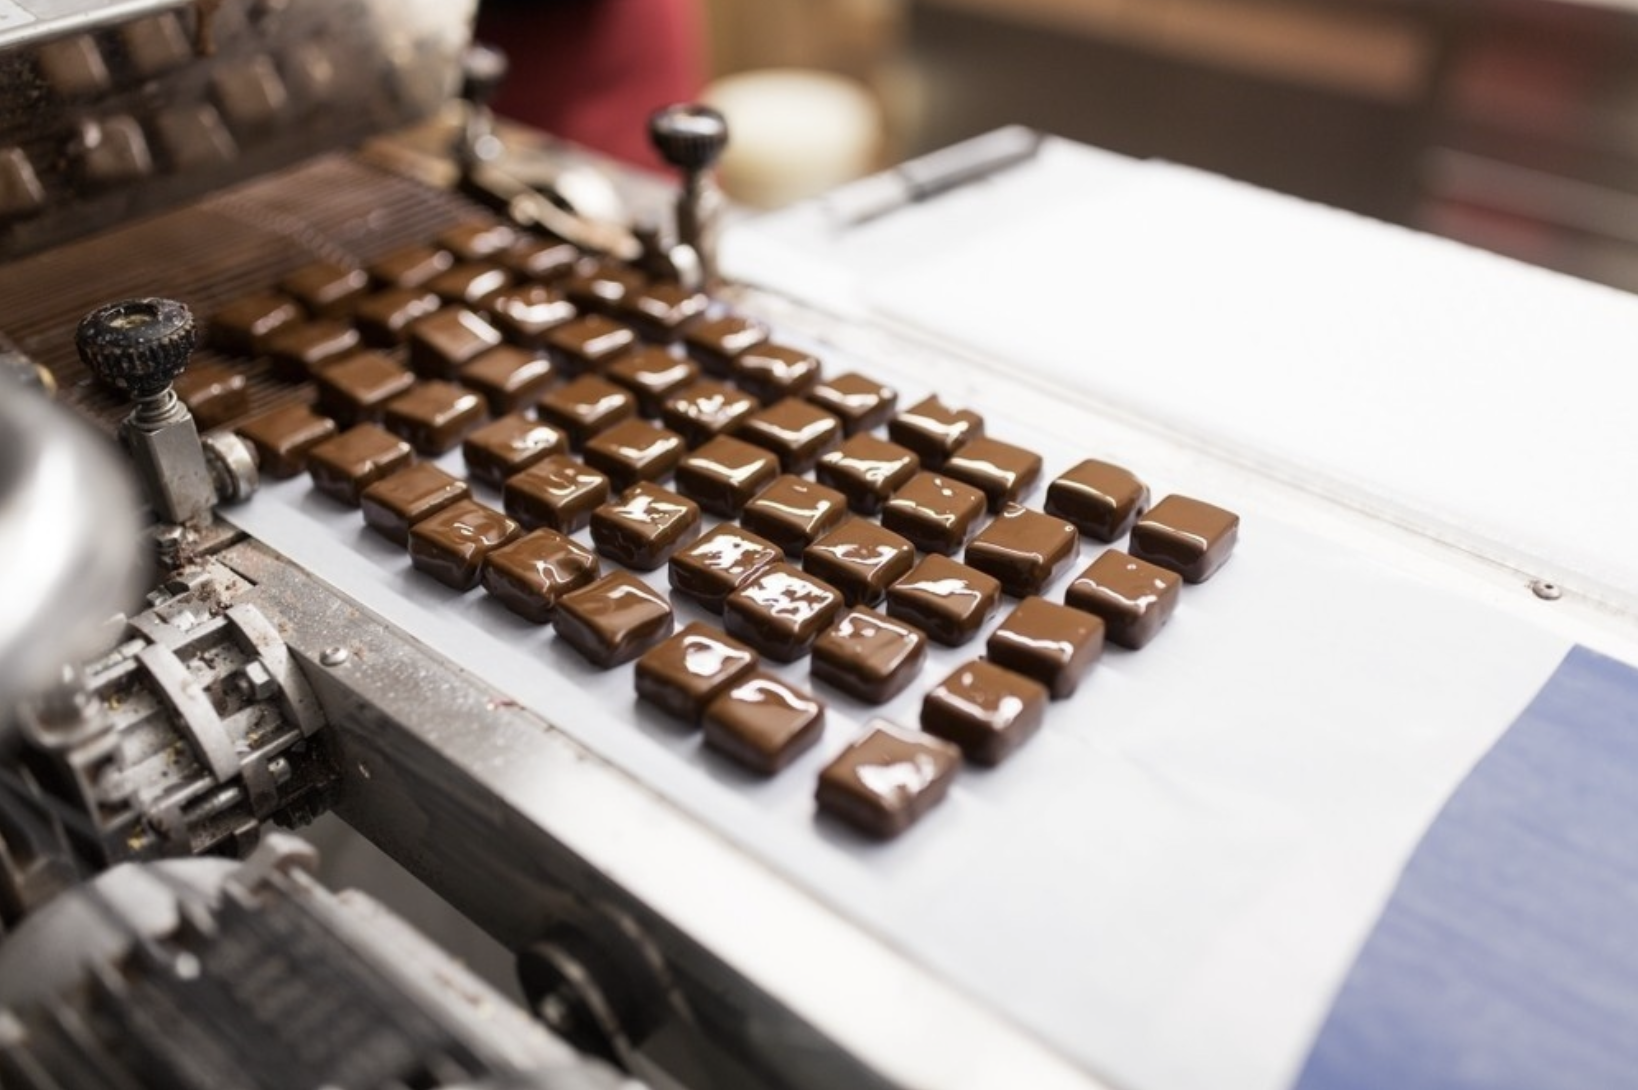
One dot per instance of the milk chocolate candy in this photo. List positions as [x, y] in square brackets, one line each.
[508, 446]
[613, 620]
[283, 437]
[585, 406]
[526, 314]
[772, 372]
[300, 350]
[529, 575]
[469, 283]
[763, 722]
[1024, 549]
[793, 513]
[714, 342]
[945, 599]
[213, 394]
[326, 289]
[1189, 536]
[934, 430]
[860, 559]
[719, 563]
[1003, 472]
[986, 710]
[356, 390]
[541, 259]
[635, 450]
[477, 240]
[797, 431]
[934, 513]
[392, 505]
[781, 611]
[653, 375]
[691, 669]
[411, 267]
[644, 526]
[705, 410]
[869, 656]
[443, 342]
[860, 402]
[1053, 644]
[384, 318]
[867, 471]
[601, 286]
[557, 492]
[434, 416]
[452, 545]
[725, 474]
[884, 782]
[344, 466]
[588, 343]
[242, 327]
[660, 310]
[1102, 500]
[1133, 597]
[508, 378]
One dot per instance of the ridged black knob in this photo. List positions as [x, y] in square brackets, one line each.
[138, 345]
[688, 136]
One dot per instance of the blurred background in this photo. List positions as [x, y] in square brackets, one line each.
[1509, 124]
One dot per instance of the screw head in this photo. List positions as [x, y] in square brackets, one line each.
[137, 345]
[688, 135]
[334, 656]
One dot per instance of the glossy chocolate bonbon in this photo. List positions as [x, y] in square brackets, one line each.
[452, 545]
[1189, 536]
[477, 240]
[411, 266]
[763, 722]
[1133, 597]
[588, 343]
[867, 471]
[509, 378]
[717, 564]
[986, 710]
[886, 780]
[469, 282]
[860, 559]
[1101, 499]
[214, 394]
[543, 259]
[635, 450]
[357, 389]
[283, 436]
[585, 406]
[394, 504]
[242, 327]
[1054, 644]
[935, 513]
[945, 599]
[860, 402]
[934, 430]
[781, 611]
[1023, 549]
[869, 656]
[526, 314]
[690, 669]
[796, 430]
[326, 289]
[660, 310]
[613, 620]
[530, 574]
[725, 474]
[508, 446]
[446, 340]
[342, 467]
[653, 375]
[644, 525]
[384, 317]
[1003, 472]
[793, 513]
[714, 342]
[706, 409]
[434, 416]
[301, 350]
[556, 492]
[773, 372]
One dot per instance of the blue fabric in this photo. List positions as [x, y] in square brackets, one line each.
[1508, 954]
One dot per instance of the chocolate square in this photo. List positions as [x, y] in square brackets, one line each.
[557, 492]
[705, 410]
[945, 599]
[1024, 549]
[887, 779]
[1101, 499]
[601, 286]
[283, 437]
[213, 394]
[797, 431]
[434, 416]
[242, 327]
[326, 289]
[860, 402]
[441, 343]
[867, 471]
[1134, 597]
[384, 318]
[644, 526]
[540, 258]
[714, 566]
[1189, 536]
[509, 445]
[936, 514]
[763, 722]
[793, 513]
[588, 343]
[725, 474]
[660, 310]
[302, 349]
[772, 372]
[469, 283]
[412, 266]
[934, 430]
[527, 313]
[529, 575]
[869, 656]
[652, 375]
[391, 506]
[1053, 644]
[634, 450]
[344, 466]
[613, 620]
[714, 342]
[986, 710]
[585, 406]
[509, 378]
[691, 669]
[356, 390]
[452, 545]
[478, 240]
[781, 611]
[1003, 472]
[860, 559]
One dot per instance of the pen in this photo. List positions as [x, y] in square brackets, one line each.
[939, 172]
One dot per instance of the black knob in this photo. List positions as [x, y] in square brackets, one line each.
[483, 70]
[138, 345]
[688, 136]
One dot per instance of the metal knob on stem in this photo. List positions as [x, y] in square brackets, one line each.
[691, 138]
